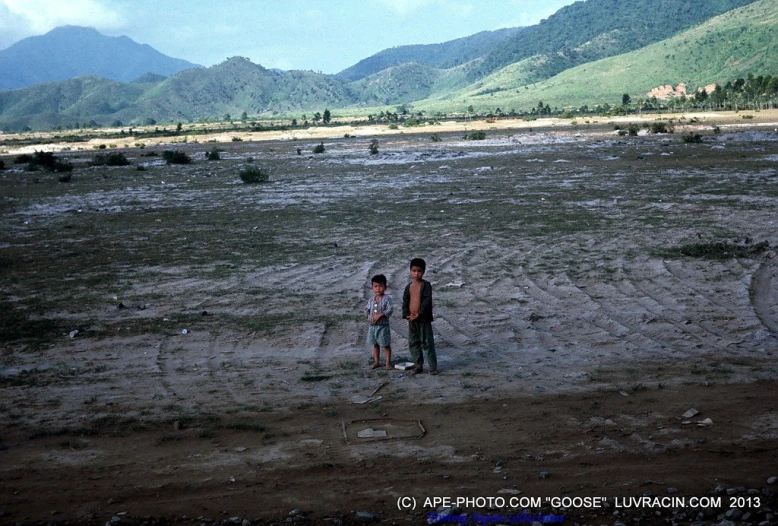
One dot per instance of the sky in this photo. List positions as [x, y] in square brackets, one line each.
[318, 35]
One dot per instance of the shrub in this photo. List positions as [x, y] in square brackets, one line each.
[237, 139]
[393, 126]
[254, 174]
[659, 127]
[319, 148]
[476, 136]
[692, 138]
[213, 155]
[176, 157]
[112, 159]
[435, 138]
[2, 164]
[45, 160]
[65, 177]
[373, 147]
[633, 130]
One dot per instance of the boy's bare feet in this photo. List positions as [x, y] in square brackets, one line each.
[417, 370]
[375, 366]
[389, 367]
[433, 372]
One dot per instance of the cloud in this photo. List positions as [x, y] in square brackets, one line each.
[23, 18]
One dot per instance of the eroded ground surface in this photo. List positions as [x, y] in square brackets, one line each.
[589, 290]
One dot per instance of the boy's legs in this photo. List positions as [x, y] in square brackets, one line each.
[415, 344]
[428, 345]
[376, 350]
[388, 353]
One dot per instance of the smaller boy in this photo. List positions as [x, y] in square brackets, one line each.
[417, 309]
[378, 309]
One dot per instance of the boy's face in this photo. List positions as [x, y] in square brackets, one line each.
[417, 273]
[379, 288]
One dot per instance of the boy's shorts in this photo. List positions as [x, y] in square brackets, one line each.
[379, 335]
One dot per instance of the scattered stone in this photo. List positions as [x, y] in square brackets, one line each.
[544, 474]
[74, 333]
[705, 423]
[371, 433]
[672, 491]
[690, 413]
[185, 331]
[366, 516]
[772, 480]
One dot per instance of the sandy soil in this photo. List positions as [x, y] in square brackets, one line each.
[219, 369]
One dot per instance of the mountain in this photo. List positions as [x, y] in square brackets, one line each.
[234, 86]
[71, 51]
[586, 31]
[445, 55]
[576, 34]
[727, 47]
[720, 49]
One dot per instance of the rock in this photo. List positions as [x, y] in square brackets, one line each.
[690, 413]
[733, 514]
[73, 333]
[366, 516]
[672, 491]
[544, 474]
[772, 480]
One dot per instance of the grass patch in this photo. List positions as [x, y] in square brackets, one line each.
[716, 250]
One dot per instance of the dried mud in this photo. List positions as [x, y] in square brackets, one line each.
[220, 344]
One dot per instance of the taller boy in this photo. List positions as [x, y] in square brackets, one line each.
[417, 309]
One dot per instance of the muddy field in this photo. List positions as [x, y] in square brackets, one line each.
[178, 344]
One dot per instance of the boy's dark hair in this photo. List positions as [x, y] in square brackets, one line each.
[418, 262]
[379, 278]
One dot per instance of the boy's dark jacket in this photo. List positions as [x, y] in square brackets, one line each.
[425, 311]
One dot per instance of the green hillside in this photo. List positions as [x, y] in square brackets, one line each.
[81, 100]
[587, 31]
[726, 47]
[443, 56]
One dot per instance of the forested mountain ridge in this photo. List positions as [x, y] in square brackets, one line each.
[587, 31]
[444, 55]
[737, 47]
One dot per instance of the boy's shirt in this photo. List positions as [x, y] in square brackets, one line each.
[425, 309]
[384, 305]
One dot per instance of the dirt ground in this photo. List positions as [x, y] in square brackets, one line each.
[179, 346]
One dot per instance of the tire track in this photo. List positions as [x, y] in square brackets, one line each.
[764, 296]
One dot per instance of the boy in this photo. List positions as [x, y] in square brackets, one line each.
[417, 309]
[378, 309]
